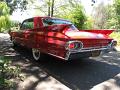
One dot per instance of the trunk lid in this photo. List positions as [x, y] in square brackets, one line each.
[90, 39]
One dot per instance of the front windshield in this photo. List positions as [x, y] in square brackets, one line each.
[49, 21]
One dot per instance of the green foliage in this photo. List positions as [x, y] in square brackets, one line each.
[4, 17]
[88, 24]
[107, 16]
[16, 4]
[7, 72]
[74, 13]
[117, 10]
[111, 19]
[78, 17]
[68, 9]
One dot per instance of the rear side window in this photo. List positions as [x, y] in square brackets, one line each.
[49, 21]
[27, 24]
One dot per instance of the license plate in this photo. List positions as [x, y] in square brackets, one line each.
[95, 53]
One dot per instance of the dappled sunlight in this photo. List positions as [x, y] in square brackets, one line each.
[10, 54]
[111, 84]
[36, 79]
[52, 85]
[107, 56]
[28, 82]
[34, 83]
[112, 58]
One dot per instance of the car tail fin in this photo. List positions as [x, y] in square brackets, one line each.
[105, 32]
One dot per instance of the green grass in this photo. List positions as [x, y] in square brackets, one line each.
[116, 36]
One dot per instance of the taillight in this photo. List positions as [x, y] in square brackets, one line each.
[71, 46]
[74, 45]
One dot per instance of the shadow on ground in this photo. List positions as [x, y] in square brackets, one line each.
[80, 74]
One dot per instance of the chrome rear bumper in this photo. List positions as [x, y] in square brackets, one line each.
[87, 52]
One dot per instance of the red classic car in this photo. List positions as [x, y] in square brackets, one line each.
[61, 39]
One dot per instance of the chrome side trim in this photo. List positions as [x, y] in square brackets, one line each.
[56, 56]
[95, 47]
[100, 49]
[67, 55]
[88, 49]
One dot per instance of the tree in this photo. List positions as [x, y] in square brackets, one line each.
[78, 17]
[4, 16]
[74, 12]
[112, 22]
[88, 24]
[100, 16]
[50, 4]
[117, 10]
[69, 9]
[105, 16]
[16, 4]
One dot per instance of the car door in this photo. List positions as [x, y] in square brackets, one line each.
[26, 33]
[50, 36]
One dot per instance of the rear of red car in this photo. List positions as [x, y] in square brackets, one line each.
[88, 43]
[73, 43]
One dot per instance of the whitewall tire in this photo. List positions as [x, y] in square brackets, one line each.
[36, 54]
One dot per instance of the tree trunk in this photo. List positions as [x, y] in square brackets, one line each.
[49, 8]
[52, 8]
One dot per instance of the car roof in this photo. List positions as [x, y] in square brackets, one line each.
[49, 17]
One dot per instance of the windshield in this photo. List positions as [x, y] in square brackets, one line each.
[50, 21]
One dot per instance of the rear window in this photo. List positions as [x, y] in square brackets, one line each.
[49, 21]
[72, 28]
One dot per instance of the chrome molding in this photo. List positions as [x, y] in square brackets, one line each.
[87, 50]
[56, 56]
[100, 49]
[67, 55]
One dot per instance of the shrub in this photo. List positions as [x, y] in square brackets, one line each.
[8, 72]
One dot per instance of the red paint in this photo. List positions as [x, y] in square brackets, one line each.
[52, 39]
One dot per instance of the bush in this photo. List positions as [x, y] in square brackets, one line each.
[8, 72]
[4, 17]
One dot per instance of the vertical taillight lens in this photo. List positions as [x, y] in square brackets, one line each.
[74, 45]
[71, 46]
